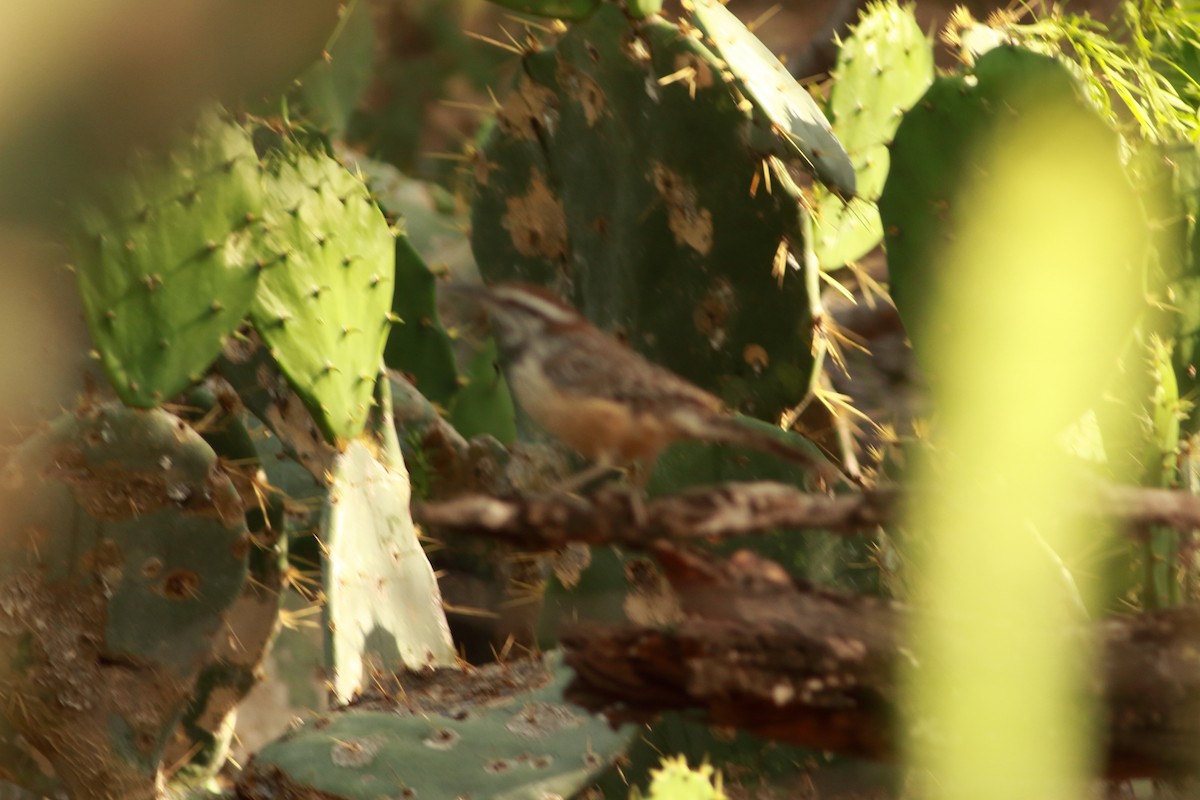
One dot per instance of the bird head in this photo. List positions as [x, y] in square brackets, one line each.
[520, 313]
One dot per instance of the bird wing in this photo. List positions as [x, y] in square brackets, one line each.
[600, 366]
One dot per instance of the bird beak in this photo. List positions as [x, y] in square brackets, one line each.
[475, 300]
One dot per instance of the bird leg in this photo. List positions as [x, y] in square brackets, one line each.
[639, 475]
[600, 469]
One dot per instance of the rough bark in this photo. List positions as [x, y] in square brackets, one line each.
[817, 669]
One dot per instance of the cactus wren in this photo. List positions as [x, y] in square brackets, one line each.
[600, 397]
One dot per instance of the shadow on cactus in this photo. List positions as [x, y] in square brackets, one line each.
[125, 548]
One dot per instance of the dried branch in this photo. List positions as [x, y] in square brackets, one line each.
[1170, 508]
[735, 509]
[613, 517]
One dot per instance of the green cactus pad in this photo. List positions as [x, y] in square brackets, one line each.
[618, 173]
[328, 91]
[484, 405]
[419, 345]
[124, 547]
[882, 69]
[793, 116]
[383, 609]
[674, 780]
[326, 288]
[165, 260]
[936, 150]
[499, 732]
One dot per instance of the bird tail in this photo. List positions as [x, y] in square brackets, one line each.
[759, 435]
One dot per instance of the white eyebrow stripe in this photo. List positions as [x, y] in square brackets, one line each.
[537, 305]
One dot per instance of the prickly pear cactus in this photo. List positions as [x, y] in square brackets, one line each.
[937, 148]
[201, 741]
[326, 94]
[484, 405]
[419, 345]
[124, 547]
[618, 174]
[432, 243]
[264, 391]
[1184, 291]
[165, 260]
[326, 288]
[882, 68]
[502, 731]
[792, 124]
[429, 238]
[434, 220]
[674, 780]
[26, 775]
